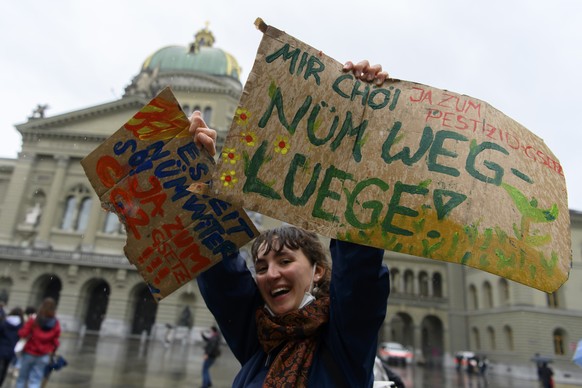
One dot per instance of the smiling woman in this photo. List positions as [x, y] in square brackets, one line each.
[291, 268]
[298, 322]
[294, 324]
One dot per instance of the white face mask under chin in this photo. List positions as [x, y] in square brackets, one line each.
[307, 297]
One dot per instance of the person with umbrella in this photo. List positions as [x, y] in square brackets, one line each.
[546, 374]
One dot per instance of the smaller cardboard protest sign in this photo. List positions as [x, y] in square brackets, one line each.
[143, 173]
[402, 166]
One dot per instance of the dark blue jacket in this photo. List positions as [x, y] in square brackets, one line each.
[9, 336]
[359, 291]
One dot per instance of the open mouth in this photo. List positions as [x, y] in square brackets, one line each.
[279, 291]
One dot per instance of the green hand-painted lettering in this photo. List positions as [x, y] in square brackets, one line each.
[299, 160]
[325, 192]
[375, 206]
[253, 184]
[438, 149]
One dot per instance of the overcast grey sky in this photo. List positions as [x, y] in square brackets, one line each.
[523, 57]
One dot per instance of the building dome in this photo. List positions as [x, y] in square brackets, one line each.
[199, 57]
[197, 67]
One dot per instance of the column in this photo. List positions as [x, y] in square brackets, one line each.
[418, 342]
[90, 234]
[430, 285]
[48, 218]
[14, 198]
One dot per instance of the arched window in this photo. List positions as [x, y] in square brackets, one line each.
[553, 300]
[112, 224]
[423, 283]
[476, 338]
[409, 282]
[84, 214]
[503, 291]
[77, 209]
[473, 300]
[70, 210]
[488, 295]
[186, 109]
[437, 285]
[491, 335]
[559, 342]
[508, 337]
[207, 114]
[395, 282]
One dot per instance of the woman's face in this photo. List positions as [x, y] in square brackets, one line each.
[284, 277]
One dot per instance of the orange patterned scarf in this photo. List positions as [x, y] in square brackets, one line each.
[298, 333]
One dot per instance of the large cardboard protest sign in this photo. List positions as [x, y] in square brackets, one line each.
[143, 173]
[402, 166]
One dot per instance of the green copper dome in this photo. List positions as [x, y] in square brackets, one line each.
[200, 57]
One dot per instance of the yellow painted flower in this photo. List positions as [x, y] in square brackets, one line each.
[242, 116]
[229, 155]
[249, 138]
[228, 178]
[282, 144]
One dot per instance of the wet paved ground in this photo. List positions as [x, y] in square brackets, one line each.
[112, 362]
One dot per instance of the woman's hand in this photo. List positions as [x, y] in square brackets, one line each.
[203, 136]
[363, 71]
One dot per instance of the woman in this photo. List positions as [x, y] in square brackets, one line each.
[42, 333]
[301, 323]
[9, 327]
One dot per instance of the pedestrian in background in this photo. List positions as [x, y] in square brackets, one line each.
[29, 312]
[211, 353]
[42, 334]
[9, 327]
[546, 376]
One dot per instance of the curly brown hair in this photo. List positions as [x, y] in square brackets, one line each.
[296, 238]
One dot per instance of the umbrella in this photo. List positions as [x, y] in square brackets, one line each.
[577, 358]
[538, 359]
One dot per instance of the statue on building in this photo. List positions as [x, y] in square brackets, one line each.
[144, 84]
[33, 214]
[38, 112]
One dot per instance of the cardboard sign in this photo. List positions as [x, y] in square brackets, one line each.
[404, 166]
[143, 173]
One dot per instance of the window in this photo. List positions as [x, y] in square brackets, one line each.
[559, 342]
[437, 285]
[409, 282]
[83, 219]
[423, 283]
[77, 209]
[473, 300]
[491, 334]
[112, 224]
[503, 291]
[207, 114]
[488, 295]
[395, 282]
[553, 300]
[508, 337]
[476, 338]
